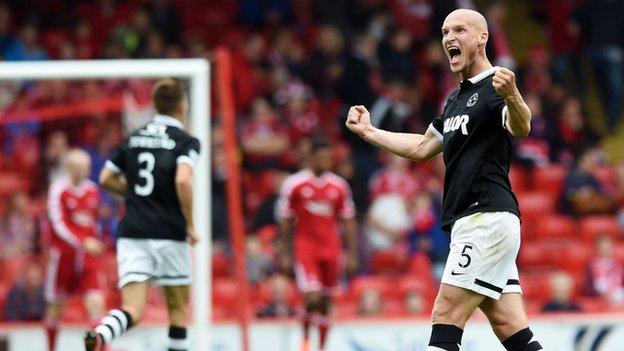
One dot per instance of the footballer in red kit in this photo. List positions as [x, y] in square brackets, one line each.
[314, 202]
[73, 257]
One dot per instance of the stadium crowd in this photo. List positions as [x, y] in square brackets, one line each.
[297, 66]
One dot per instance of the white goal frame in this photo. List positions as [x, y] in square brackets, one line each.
[198, 73]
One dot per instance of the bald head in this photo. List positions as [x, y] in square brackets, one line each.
[470, 17]
[464, 36]
[78, 165]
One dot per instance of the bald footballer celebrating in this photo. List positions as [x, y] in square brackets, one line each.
[475, 134]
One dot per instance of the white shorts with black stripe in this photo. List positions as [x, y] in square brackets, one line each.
[484, 247]
[164, 262]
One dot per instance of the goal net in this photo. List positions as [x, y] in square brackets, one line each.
[48, 107]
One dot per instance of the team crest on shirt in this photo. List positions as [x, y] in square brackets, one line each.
[307, 192]
[473, 100]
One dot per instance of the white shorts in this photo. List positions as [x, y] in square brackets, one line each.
[165, 262]
[484, 247]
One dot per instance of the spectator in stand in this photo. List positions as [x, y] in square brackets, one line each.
[387, 223]
[85, 45]
[425, 234]
[370, 303]
[54, 152]
[265, 215]
[571, 134]
[564, 45]
[279, 305]
[498, 47]
[414, 303]
[6, 37]
[391, 190]
[25, 301]
[582, 192]
[536, 71]
[18, 228]
[299, 110]
[247, 74]
[26, 47]
[360, 77]
[264, 137]
[327, 62]
[392, 111]
[394, 178]
[619, 177]
[534, 151]
[561, 285]
[286, 55]
[602, 30]
[415, 16]
[166, 19]
[259, 263]
[396, 55]
[605, 273]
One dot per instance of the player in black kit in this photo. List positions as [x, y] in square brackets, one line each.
[153, 170]
[475, 134]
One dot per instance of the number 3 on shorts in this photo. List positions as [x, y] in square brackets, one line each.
[467, 256]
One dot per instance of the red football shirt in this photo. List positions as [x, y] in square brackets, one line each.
[317, 204]
[72, 211]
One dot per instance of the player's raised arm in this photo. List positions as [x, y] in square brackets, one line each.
[518, 115]
[417, 147]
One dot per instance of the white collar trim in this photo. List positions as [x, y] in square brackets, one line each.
[168, 121]
[479, 77]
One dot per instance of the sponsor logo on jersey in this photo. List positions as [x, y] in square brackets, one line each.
[473, 100]
[319, 208]
[454, 123]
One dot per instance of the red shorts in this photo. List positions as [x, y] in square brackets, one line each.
[318, 273]
[70, 272]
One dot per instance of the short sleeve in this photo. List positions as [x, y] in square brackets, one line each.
[499, 108]
[347, 207]
[437, 128]
[116, 162]
[189, 152]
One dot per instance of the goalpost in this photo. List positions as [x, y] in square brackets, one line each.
[197, 71]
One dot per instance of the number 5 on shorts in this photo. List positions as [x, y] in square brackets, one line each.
[465, 254]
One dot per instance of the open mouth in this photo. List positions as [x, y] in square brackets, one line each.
[454, 54]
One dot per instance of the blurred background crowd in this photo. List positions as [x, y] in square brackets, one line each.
[297, 66]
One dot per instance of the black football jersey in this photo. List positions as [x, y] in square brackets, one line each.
[477, 151]
[149, 158]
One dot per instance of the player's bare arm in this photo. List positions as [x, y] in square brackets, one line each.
[114, 182]
[417, 147]
[518, 121]
[285, 228]
[184, 190]
[350, 232]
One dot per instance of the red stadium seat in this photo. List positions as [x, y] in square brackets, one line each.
[420, 266]
[535, 285]
[378, 283]
[618, 252]
[535, 205]
[531, 255]
[518, 179]
[555, 226]
[389, 262]
[220, 265]
[571, 256]
[225, 295]
[594, 226]
[549, 179]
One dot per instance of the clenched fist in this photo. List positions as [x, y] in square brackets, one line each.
[358, 120]
[504, 81]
